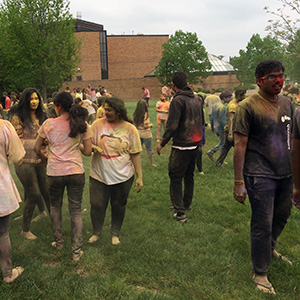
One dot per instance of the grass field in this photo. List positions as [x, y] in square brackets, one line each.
[159, 258]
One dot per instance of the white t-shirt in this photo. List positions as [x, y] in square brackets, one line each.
[117, 141]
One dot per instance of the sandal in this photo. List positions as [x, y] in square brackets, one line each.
[277, 255]
[264, 287]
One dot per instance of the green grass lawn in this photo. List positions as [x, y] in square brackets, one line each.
[159, 258]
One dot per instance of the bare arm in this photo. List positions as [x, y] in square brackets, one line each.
[296, 171]
[37, 149]
[86, 147]
[240, 145]
[136, 159]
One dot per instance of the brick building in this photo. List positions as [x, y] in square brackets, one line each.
[122, 63]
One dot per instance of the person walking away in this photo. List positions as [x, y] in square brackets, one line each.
[230, 113]
[218, 120]
[146, 95]
[210, 101]
[65, 165]
[262, 166]
[184, 126]
[141, 121]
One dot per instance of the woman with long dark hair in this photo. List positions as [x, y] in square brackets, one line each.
[113, 167]
[142, 122]
[65, 166]
[29, 116]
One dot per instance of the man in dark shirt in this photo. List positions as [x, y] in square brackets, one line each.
[262, 156]
[184, 126]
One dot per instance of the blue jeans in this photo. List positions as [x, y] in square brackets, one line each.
[219, 147]
[148, 144]
[271, 204]
[100, 195]
[181, 167]
[74, 184]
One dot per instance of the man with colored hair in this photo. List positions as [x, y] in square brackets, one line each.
[262, 165]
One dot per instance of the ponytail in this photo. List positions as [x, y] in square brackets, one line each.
[77, 114]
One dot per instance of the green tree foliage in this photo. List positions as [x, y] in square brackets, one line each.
[37, 44]
[183, 52]
[285, 27]
[257, 50]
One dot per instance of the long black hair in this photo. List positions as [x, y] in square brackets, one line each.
[139, 113]
[77, 114]
[119, 106]
[23, 108]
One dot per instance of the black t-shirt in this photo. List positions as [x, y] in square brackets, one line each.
[268, 126]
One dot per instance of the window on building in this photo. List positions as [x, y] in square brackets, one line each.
[79, 78]
[103, 55]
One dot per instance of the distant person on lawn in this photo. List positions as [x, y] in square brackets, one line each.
[184, 126]
[230, 113]
[218, 120]
[262, 158]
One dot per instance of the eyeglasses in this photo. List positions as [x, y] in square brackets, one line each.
[274, 77]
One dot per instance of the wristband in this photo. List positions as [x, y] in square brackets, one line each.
[239, 182]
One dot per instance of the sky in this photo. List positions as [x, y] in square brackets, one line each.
[223, 26]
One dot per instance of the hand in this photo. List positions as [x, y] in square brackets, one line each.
[158, 149]
[296, 198]
[230, 137]
[239, 193]
[139, 184]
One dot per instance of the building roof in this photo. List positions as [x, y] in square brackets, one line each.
[86, 26]
[219, 65]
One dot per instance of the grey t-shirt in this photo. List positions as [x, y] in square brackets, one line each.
[268, 126]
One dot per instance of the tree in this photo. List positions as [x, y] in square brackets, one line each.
[183, 52]
[38, 45]
[286, 28]
[257, 50]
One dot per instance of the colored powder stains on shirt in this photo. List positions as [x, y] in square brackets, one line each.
[268, 128]
[11, 148]
[163, 107]
[64, 154]
[117, 141]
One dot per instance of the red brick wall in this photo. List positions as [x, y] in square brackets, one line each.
[133, 56]
[90, 66]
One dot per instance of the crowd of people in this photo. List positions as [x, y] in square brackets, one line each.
[46, 146]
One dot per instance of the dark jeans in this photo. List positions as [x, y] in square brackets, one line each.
[147, 100]
[181, 167]
[221, 137]
[100, 195]
[224, 151]
[34, 180]
[271, 207]
[74, 184]
[5, 249]
[199, 159]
